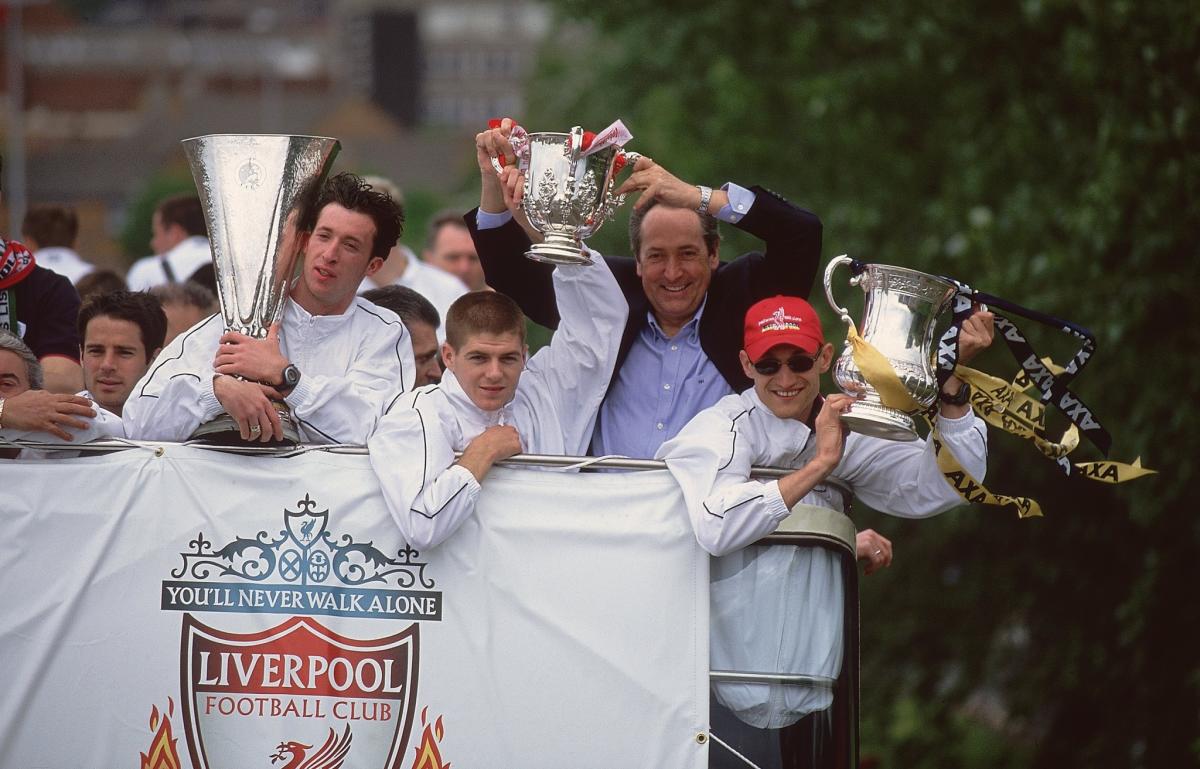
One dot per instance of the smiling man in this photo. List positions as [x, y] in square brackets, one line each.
[491, 405]
[336, 360]
[679, 349]
[122, 333]
[778, 608]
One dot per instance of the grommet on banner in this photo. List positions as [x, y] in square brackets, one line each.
[160, 451]
[701, 738]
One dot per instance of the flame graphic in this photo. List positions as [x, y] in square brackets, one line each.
[428, 755]
[163, 753]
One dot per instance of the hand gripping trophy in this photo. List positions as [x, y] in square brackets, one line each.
[569, 180]
[254, 190]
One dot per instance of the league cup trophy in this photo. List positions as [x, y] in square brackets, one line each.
[568, 191]
[254, 190]
[900, 310]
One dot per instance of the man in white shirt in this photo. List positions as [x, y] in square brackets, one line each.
[449, 248]
[50, 233]
[336, 360]
[779, 608]
[179, 239]
[491, 405]
[403, 268]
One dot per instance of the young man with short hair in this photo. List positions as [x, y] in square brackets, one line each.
[491, 404]
[778, 608]
[50, 232]
[122, 333]
[336, 360]
[179, 239]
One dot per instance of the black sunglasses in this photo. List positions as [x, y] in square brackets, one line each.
[797, 363]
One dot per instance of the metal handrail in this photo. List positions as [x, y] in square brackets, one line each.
[518, 460]
[813, 682]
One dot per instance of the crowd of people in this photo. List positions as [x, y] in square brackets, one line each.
[674, 353]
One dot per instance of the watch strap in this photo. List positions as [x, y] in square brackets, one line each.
[959, 398]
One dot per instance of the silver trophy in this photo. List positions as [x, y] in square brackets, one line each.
[254, 190]
[900, 310]
[568, 194]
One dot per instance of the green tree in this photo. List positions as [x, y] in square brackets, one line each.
[135, 235]
[1043, 151]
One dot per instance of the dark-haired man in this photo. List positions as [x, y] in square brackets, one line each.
[50, 232]
[337, 360]
[421, 319]
[491, 405]
[28, 412]
[179, 239]
[39, 306]
[679, 350]
[122, 333]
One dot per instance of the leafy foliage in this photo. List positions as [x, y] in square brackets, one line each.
[1046, 151]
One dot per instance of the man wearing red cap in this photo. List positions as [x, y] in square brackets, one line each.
[784, 421]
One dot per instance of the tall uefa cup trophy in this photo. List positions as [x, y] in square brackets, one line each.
[568, 192]
[254, 190]
[901, 308]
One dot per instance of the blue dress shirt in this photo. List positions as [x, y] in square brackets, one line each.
[663, 383]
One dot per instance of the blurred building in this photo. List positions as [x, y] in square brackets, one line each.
[403, 83]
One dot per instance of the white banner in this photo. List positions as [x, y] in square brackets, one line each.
[212, 611]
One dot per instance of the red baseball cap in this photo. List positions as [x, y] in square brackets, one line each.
[781, 320]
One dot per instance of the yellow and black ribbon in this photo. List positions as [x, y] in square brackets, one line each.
[1002, 404]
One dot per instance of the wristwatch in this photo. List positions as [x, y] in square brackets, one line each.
[960, 398]
[290, 378]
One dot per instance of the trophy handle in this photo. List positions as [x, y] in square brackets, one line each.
[829, 270]
[625, 159]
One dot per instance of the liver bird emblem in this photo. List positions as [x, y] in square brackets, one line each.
[330, 755]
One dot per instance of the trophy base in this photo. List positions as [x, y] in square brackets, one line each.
[224, 430]
[559, 250]
[879, 421]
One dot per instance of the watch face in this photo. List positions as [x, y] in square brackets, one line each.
[291, 375]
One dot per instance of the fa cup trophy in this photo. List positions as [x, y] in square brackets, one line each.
[899, 314]
[254, 190]
[568, 190]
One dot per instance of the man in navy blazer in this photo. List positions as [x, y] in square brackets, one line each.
[679, 350]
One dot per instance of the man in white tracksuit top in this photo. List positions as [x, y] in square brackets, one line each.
[779, 609]
[337, 360]
[491, 405]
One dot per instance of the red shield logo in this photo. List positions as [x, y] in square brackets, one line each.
[298, 694]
